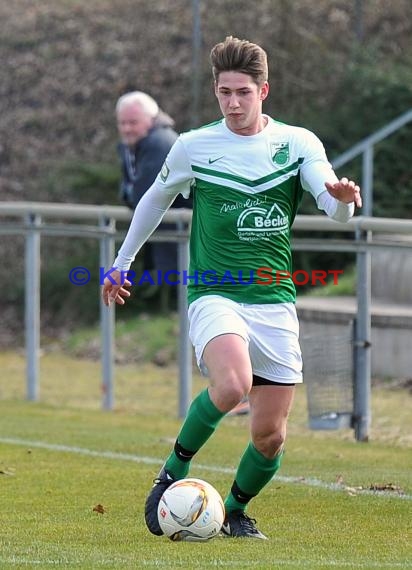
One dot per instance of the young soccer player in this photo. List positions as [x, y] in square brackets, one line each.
[247, 173]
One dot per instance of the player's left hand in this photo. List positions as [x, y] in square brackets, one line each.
[345, 191]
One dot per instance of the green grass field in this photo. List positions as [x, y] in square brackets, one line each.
[62, 456]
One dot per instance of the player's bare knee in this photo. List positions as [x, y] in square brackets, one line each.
[270, 444]
[228, 391]
[233, 395]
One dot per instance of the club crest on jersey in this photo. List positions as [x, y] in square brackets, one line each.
[280, 152]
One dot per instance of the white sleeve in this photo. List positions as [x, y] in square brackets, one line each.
[338, 211]
[175, 177]
[315, 171]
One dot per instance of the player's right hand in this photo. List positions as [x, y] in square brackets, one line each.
[115, 292]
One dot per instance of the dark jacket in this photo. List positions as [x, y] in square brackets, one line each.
[141, 164]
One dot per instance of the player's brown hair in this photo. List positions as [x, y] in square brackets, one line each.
[242, 56]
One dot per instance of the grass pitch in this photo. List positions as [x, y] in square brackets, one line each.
[63, 460]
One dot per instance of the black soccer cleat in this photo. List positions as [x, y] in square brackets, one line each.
[161, 483]
[238, 525]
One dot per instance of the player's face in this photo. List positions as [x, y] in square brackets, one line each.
[133, 123]
[240, 101]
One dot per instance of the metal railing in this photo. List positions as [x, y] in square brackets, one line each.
[363, 260]
[365, 147]
[36, 219]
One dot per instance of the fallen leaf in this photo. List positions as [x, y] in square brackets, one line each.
[385, 487]
[99, 509]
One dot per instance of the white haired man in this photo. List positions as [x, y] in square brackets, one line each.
[146, 136]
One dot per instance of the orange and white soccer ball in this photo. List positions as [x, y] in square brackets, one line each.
[191, 510]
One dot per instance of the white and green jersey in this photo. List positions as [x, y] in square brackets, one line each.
[246, 191]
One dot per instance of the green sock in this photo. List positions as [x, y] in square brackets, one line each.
[253, 473]
[201, 421]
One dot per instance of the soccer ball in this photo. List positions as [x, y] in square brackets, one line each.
[191, 510]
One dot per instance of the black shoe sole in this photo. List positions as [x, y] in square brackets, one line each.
[150, 510]
[152, 504]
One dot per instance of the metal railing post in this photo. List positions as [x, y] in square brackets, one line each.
[32, 306]
[196, 63]
[107, 316]
[367, 181]
[185, 348]
[362, 389]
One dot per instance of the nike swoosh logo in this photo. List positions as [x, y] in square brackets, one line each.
[226, 528]
[212, 160]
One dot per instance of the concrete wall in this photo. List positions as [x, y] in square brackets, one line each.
[391, 271]
[391, 335]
